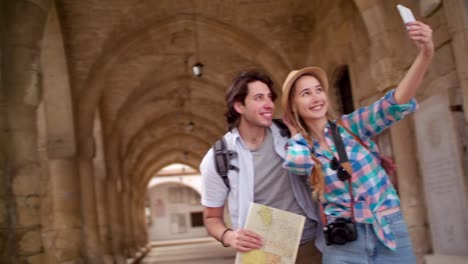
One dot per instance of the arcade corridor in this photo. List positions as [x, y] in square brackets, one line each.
[97, 97]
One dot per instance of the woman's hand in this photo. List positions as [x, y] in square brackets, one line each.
[290, 126]
[421, 35]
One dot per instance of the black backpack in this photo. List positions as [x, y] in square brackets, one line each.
[223, 156]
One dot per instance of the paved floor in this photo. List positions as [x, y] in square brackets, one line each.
[196, 251]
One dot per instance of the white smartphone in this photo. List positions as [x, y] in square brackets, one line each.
[405, 14]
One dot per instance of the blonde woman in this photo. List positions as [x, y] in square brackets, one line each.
[363, 224]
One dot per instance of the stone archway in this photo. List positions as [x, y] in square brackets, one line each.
[124, 183]
[173, 196]
[175, 223]
[373, 45]
[59, 177]
[241, 41]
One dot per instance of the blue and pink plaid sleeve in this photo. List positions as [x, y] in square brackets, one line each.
[372, 120]
[298, 159]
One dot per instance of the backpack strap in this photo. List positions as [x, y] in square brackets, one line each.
[222, 157]
[284, 131]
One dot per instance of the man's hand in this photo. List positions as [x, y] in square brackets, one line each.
[243, 240]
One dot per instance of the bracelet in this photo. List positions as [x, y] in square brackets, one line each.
[222, 237]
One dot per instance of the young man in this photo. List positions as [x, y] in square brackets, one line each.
[261, 178]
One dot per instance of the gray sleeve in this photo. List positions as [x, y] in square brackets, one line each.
[213, 190]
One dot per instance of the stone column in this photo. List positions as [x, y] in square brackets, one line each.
[129, 251]
[23, 24]
[144, 226]
[101, 192]
[137, 224]
[457, 17]
[131, 227]
[102, 206]
[140, 217]
[62, 233]
[93, 251]
[134, 215]
[141, 222]
[4, 191]
[115, 222]
[64, 237]
[410, 185]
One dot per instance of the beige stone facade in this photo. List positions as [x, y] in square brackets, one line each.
[97, 96]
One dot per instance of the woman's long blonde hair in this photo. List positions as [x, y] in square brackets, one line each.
[316, 178]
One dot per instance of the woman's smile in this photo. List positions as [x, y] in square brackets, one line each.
[310, 98]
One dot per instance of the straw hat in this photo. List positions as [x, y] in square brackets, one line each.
[294, 75]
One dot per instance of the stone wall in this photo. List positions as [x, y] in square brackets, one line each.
[23, 24]
[59, 204]
[4, 188]
[4, 217]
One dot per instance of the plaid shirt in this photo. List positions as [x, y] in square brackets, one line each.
[373, 193]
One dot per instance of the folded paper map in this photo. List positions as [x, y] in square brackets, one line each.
[280, 231]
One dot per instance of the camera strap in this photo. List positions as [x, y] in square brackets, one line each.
[344, 162]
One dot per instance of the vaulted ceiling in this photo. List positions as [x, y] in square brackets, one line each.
[130, 64]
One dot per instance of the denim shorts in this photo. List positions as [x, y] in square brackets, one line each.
[367, 249]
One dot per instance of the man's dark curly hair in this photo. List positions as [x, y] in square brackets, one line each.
[238, 91]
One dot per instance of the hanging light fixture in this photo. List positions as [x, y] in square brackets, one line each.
[189, 127]
[197, 69]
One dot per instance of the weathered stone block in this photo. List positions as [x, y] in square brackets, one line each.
[47, 214]
[420, 238]
[443, 259]
[443, 61]
[3, 169]
[28, 211]
[67, 244]
[39, 259]
[429, 6]
[59, 251]
[29, 243]
[48, 238]
[368, 100]
[365, 4]
[30, 31]
[3, 241]
[374, 18]
[26, 181]
[24, 141]
[23, 89]
[386, 72]
[3, 213]
[433, 84]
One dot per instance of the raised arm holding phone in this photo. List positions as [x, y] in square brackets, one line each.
[360, 207]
